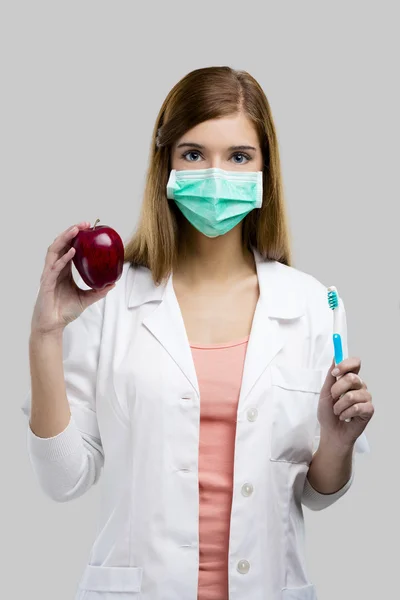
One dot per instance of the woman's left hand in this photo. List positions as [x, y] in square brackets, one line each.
[344, 398]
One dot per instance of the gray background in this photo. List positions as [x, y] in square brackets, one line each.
[82, 83]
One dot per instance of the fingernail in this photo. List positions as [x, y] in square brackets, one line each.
[335, 372]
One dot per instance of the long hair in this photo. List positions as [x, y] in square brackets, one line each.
[204, 94]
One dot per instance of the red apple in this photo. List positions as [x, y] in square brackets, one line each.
[99, 255]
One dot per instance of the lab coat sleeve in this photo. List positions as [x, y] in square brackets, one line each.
[311, 498]
[68, 464]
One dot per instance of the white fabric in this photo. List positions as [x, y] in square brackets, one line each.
[134, 398]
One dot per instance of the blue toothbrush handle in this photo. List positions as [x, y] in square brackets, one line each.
[337, 344]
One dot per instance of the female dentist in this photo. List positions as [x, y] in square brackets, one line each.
[200, 384]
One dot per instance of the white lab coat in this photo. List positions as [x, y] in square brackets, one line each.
[135, 408]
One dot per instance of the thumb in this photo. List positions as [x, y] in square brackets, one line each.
[92, 296]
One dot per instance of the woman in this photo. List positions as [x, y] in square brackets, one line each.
[200, 383]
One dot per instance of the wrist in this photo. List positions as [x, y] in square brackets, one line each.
[334, 446]
[38, 337]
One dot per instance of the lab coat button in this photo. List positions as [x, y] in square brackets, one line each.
[243, 566]
[247, 489]
[187, 396]
[252, 414]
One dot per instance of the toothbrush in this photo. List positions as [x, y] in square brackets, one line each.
[333, 301]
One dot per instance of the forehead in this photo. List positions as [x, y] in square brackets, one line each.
[226, 131]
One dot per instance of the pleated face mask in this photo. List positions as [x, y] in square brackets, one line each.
[213, 200]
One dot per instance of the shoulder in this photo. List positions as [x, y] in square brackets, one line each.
[124, 284]
[133, 288]
[313, 290]
[294, 280]
[309, 283]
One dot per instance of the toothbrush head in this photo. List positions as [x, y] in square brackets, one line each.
[333, 297]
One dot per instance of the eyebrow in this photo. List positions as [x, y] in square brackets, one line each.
[200, 147]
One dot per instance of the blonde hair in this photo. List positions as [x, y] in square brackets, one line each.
[203, 94]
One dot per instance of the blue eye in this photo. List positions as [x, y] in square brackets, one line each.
[241, 155]
[190, 153]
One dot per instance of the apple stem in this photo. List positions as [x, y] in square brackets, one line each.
[95, 223]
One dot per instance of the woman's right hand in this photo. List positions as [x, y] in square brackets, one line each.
[60, 301]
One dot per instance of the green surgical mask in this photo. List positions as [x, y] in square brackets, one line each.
[213, 200]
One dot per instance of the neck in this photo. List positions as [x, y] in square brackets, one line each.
[214, 260]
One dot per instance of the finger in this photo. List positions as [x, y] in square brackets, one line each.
[62, 242]
[349, 399]
[90, 296]
[58, 266]
[351, 364]
[363, 384]
[350, 381]
[365, 410]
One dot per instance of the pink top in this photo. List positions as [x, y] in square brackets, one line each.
[219, 370]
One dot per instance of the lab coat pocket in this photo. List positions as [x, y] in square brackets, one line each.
[306, 592]
[295, 395]
[109, 583]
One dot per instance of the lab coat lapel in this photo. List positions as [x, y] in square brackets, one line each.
[166, 323]
[280, 302]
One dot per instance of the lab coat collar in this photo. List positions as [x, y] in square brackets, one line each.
[280, 289]
[141, 287]
[280, 293]
[281, 300]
